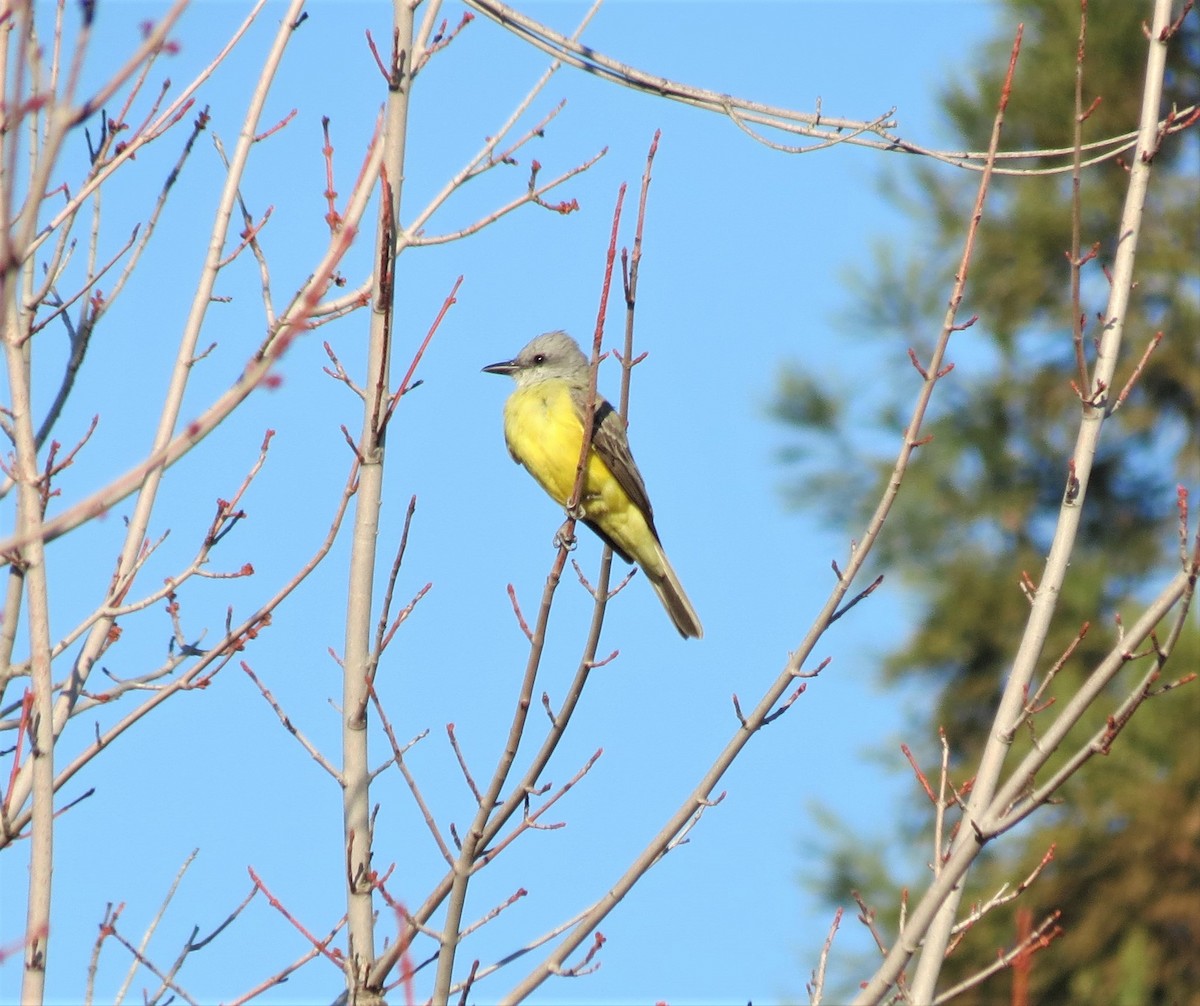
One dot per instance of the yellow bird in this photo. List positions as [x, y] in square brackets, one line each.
[543, 427]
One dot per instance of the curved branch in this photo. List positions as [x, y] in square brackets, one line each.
[828, 131]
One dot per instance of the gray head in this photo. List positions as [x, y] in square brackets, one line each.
[552, 356]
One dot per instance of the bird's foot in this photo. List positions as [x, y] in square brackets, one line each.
[564, 537]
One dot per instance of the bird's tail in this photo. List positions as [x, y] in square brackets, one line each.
[670, 591]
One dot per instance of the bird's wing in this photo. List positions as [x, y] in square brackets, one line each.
[610, 442]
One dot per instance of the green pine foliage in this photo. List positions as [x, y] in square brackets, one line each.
[979, 503]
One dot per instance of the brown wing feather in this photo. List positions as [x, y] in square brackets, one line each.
[610, 442]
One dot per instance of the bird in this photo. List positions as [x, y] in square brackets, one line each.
[543, 428]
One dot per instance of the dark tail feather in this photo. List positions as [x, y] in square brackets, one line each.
[670, 591]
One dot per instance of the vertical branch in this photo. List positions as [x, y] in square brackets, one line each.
[356, 771]
[150, 479]
[32, 573]
[631, 278]
[589, 405]
[484, 827]
[29, 564]
[1076, 215]
[1097, 404]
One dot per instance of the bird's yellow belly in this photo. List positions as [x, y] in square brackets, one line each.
[544, 434]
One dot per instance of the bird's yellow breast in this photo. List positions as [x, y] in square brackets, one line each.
[544, 433]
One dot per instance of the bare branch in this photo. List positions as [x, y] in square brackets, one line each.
[290, 727]
[876, 134]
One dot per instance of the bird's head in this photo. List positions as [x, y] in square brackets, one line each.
[552, 356]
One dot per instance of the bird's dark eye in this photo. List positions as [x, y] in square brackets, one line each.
[539, 358]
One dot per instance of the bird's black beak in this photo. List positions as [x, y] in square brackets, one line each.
[506, 367]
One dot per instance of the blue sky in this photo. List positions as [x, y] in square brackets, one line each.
[746, 253]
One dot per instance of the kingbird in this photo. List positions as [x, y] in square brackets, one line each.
[543, 427]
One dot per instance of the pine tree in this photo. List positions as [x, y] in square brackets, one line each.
[978, 507]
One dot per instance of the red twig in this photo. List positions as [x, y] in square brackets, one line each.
[404, 388]
[1181, 505]
[516, 607]
[1137, 371]
[462, 763]
[597, 336]
[22, 731]
[921, 777]
[441, 39]
[383, 70]
[334, 956]
[861, 595]
[774, 714]
[277, 127]
[332, 217]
